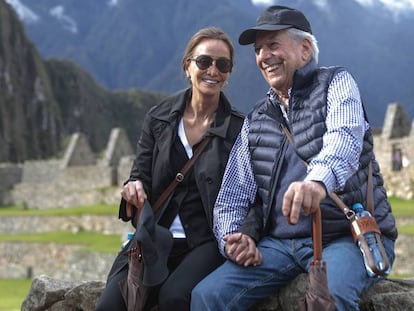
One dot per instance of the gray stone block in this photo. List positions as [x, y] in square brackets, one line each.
[51, 294]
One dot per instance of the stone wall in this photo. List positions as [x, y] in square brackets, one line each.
[56, 295]
[81, 177]
[62, 261]
[40, 171]
[73, 186]
[398, 175]
[70, 262]
[10, 175]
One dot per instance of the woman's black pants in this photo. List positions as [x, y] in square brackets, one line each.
[187, 268]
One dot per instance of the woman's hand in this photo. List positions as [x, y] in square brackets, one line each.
[133, 193]
[242, 249]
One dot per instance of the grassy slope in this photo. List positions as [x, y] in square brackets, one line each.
[13, 292]
[75, 211]
[93, 241]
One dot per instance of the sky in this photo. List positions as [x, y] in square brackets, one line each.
[396, 6]
[399, 5]
[57, 12]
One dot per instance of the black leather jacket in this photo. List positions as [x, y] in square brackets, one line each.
[152, 164]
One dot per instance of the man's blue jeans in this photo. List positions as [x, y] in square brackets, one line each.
[234, 287]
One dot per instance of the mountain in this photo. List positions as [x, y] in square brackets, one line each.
[29, 115]
[127, 44]
[44, 101]
[87, 107]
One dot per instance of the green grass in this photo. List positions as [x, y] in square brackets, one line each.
[406, 229]
[402, 208]
[73, 211]
[12, 293]
[91, 241]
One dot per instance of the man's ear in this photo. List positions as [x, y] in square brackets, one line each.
[306, 50]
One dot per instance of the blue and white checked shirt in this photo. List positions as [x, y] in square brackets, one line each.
[336, 162]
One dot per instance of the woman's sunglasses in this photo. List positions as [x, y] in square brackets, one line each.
[203, 62]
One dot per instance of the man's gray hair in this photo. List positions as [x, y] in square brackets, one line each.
[298, 35]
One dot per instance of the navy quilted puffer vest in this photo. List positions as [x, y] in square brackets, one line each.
[307, 114]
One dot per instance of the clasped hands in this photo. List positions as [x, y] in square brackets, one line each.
[242, 249]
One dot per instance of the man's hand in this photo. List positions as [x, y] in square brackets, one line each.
[242, 249]
[306, 195]
[134, 194]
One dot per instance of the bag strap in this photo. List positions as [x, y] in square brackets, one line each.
[368, 224]
[349, 213]
[370, 190]
[180, 175]
[178, 178]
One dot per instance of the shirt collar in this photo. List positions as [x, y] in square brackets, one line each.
[274, 99]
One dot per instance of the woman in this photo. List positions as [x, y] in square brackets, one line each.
[170, 133]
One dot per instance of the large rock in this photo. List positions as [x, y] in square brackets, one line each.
[55, 295]
[386, 295]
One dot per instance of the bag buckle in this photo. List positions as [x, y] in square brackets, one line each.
[179, 177]
[349, 214]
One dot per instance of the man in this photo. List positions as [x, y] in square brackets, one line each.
[272, 186]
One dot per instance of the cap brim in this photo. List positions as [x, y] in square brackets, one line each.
[156, 271]
[249, 36]
[156, 243]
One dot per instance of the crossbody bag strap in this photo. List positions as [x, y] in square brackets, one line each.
[358, 226]
[178, 178]
[370, 190]
[136, 249]
[180, 175]
[338, 201]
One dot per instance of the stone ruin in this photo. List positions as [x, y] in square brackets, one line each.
[82, 178]
[394, 150]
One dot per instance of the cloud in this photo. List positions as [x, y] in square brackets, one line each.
[391, 4]
[398, 6]
[113, 2]
[24, 13]
[68, 23]
[263, 2]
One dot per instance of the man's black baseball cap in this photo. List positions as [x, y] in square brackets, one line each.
[276, 17]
